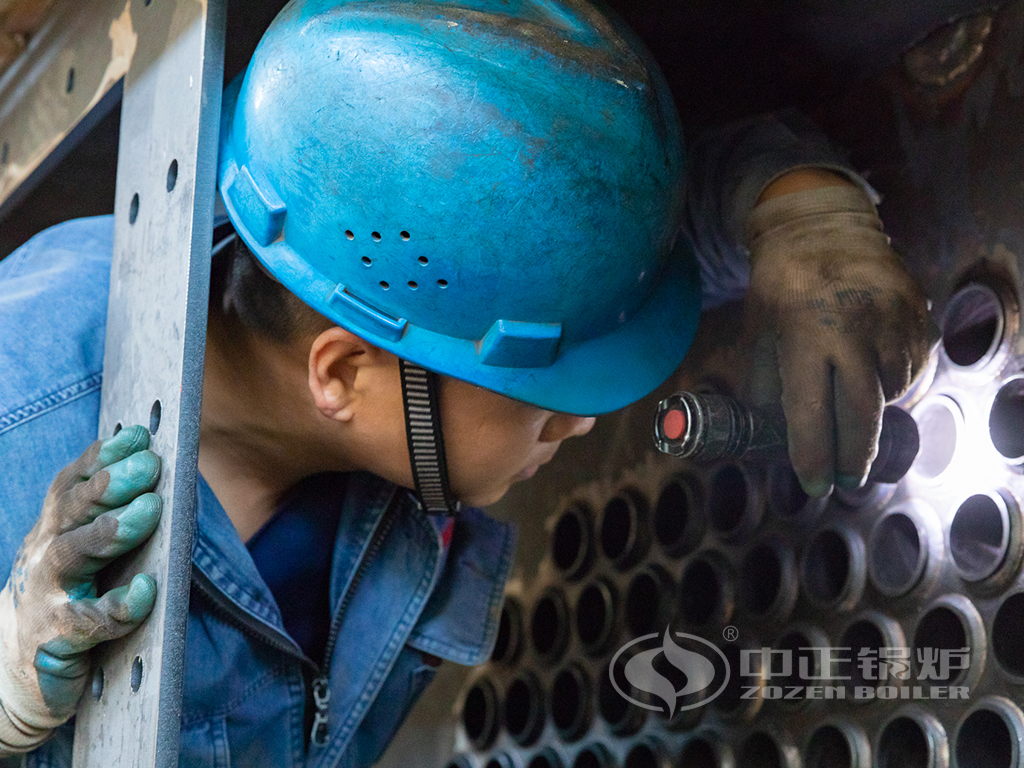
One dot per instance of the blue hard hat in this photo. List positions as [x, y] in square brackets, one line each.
[489, 189]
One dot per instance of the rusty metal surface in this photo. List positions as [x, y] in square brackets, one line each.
[66, 78]
[19, 22]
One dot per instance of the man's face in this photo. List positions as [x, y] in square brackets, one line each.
[492, 441]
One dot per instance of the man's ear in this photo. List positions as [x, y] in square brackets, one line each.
[335, 358]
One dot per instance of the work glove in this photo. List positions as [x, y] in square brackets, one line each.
[838, 327]
[97, 509]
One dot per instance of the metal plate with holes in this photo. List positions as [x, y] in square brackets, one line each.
[66, 80]
[156, 330]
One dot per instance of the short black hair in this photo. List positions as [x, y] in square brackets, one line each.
[244, 288]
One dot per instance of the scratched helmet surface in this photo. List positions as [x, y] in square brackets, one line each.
[490, 189]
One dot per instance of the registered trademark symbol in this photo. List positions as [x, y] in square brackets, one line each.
[731, 634]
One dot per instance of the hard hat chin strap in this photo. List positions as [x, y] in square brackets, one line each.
[426, 441]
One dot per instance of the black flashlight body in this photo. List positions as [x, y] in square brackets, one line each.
[707, 427]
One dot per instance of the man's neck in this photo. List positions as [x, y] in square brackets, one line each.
[258, 434]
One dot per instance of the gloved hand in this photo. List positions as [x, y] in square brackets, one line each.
[50, 616]
[840, 327]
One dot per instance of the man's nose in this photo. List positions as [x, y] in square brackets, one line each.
[563, 425]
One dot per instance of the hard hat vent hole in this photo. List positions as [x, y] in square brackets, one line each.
[413, 284]
[384, 284]
[367, 260]
[405, 236]
[442, 283]
[423, 260]
[375, 236]
[349, 234]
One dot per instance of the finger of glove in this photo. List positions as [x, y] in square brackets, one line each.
[102, 454]
[858, 403]
[906, 337]
[82, 552]
[808, 405]
[763, 385]
[114, 486]
[95, 620]
[895, 366]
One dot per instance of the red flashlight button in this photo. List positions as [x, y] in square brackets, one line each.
[674, 424]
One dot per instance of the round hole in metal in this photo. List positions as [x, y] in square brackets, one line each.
[136, 675]
[1008, 634]
[1006, 419]
[480, 714]
[760, 579]
[524, 710]
[96, 689]
[826, 567]
[727, 498]
[701, 593]
[595, 615]
[172, 175]
[759, 751]
[571, 542]
[510, 632]
[979, 536]
[938, 422]
[828, 747]
[154, 417]
[904, 744]
[985, 740]
[972, 326]
[863, 637]
[898, 554]
[940, 630]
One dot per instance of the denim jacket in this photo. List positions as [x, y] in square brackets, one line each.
[396, 591]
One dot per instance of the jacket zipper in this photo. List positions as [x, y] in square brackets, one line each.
[246, 623]
[321, 685]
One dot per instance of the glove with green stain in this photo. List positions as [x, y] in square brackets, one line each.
[97, 509]
[841, 326]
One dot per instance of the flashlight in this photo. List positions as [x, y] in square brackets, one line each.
[706, 427]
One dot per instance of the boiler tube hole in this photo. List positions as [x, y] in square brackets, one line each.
[904, 744]
[549, 625]
[571, 704]
[571, 544]
[678, 519]
[595, 615]
[979, 536]
[986, 740]
[1008, 635]
[1006, 419]
[973, 326]
[480, 714]
[829, 748]
[524, 710]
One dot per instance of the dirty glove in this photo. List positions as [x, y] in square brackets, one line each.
[841, 327]
[50, 616]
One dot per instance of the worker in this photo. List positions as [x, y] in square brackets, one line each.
[460, 216]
